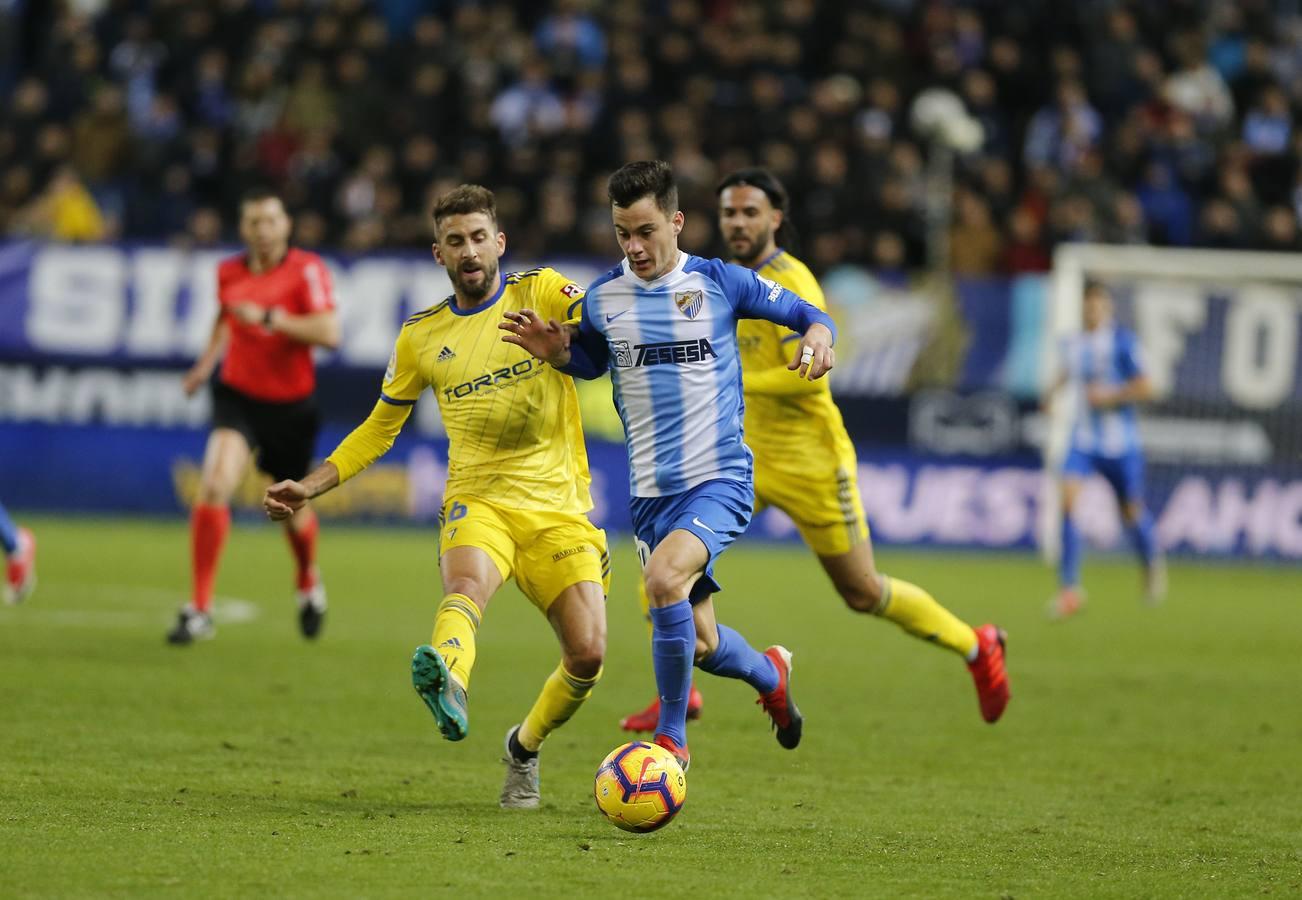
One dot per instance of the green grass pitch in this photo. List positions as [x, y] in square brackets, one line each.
[1146, 753]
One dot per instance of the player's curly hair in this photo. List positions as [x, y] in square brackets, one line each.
[463, 200]
[647, 177]
[766, 181]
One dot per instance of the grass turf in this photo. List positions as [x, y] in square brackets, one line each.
[1145, 753]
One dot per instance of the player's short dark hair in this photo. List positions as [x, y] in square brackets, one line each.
[1095, 286]
[644, 178]
[259, 192]
[463, 200]
[760, 178]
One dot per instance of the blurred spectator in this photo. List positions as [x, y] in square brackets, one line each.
[975, 245]
[65, 211]
[1124, 122]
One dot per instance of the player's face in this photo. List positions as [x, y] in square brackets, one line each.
[748, 220]
[469, 246]
[648, 237]
[264, 228]
[1097, 309]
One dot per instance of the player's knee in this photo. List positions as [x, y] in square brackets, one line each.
[585, 660]
[464, 584]
[706, 644]
[862, 594]
[213, 493]
[662, 586]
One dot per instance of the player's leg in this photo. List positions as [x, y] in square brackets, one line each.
[225, 458]
[20, 559]
[1070, 597]
[286, 437]
[578, 616]
[475, 550]
[1127, 480]
[722, 651]
[646, 719]
[671, 572]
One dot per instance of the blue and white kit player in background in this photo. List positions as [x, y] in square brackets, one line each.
[1102, 365]
[663, 322]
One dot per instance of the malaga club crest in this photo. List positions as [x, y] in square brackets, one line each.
[689, 303]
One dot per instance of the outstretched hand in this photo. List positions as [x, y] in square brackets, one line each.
[814, 356]
[548, 341]
[283, 499]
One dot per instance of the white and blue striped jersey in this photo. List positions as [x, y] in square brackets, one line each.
[671, 347]
[1108, 356]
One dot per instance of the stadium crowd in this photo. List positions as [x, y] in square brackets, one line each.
[1169, 123]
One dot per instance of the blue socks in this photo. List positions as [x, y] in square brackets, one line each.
[1069, 562]
[1141, 535]
[673, 645]
[8, 533]
[734, 658]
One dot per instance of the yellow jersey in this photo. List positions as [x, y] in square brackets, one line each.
[514, 433]
[787, 416]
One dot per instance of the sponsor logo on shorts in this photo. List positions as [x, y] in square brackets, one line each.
[570, 551]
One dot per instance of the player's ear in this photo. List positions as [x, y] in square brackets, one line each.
[678, 221]
[501, 242]
[778, 216]
[438, 256]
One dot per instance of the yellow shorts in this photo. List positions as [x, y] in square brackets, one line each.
[826, 507]
[546, 551]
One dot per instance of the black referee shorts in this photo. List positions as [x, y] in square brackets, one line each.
[283, 435]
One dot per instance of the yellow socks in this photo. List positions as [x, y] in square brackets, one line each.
[561, 697]
[454, 635]
[644, 599]
[918, 613]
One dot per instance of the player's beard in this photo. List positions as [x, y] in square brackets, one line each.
[754, 248]
[476, 291]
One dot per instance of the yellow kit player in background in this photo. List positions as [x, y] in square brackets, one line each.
[805, 463]
[517, 489]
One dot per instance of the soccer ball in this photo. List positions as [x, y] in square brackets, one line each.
[640, 786]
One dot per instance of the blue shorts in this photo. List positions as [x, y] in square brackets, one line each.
[716, 511]
[1124, 473]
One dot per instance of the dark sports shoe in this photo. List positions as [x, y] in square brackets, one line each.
[191, 625]
[311, 610]
[649, 718]
[788, 723]
[681, 754]
[988, 672]
[445, 698]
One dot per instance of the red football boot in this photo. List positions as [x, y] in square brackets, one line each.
[649, 718]
[20, 575]
[680, 753]
[1068, 602]
[787, 720]
[988, 672]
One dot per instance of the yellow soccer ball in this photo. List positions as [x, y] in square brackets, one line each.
[640, 786]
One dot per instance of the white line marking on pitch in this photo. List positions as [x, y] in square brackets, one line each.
[226, 610]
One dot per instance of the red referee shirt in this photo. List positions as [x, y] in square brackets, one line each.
[263, 364]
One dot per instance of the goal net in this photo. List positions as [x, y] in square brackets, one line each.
[1218, 332]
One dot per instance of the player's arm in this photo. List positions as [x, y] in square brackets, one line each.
[777, 381]
[203, 367]
[319, 329]
[368, 441]
[756, 298]
[314, 323]
[576, 348]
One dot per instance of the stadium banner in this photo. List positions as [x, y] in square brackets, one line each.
[911, 498]
[153, 306]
